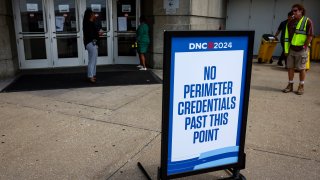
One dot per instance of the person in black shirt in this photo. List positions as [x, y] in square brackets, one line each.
[282, 29]
[90, 40]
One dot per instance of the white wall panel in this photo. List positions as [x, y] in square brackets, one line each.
[282, 8]
[313, 12]
[264, 16]
[261, 20]
[238, 14]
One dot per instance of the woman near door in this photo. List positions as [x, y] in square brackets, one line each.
[90, 40]
[143, 41]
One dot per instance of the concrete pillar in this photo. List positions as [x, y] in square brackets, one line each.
[208, 14]
[147, 11]
[8, 52]
[191, 15]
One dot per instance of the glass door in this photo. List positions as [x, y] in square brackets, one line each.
[32, 34]
[126, 18]
[49, 32]
[102, 11]
[65, 36]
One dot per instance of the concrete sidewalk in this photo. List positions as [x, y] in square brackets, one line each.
[102, 132]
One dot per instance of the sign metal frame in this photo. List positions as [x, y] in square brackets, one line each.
[167, 76]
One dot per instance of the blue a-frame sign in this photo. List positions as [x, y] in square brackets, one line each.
[206, 85]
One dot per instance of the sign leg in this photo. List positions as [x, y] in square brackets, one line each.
[236, 175]
[144, 171]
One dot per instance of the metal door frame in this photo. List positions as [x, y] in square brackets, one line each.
[49, 34]
[65, 62]
[20, 36]
[123, 59]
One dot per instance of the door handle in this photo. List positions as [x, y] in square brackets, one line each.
[26, 33]
[125, 35]
[68, 32]
[34, 37]
[109, 16]
[66, 37]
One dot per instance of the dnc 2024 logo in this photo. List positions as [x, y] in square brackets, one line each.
[210, 45]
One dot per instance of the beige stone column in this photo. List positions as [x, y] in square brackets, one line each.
[8, 53]
[191, 15]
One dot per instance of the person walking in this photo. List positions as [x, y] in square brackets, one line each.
[143, 42]
[282, 29]
[90, 40]
[298, 36]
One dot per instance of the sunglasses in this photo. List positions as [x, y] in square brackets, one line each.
[295, 10]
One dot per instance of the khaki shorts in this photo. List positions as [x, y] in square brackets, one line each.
[297, 59]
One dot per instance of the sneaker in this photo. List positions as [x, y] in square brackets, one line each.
[289, 88]
[91, 80]
[139, 66]
[280, 63]
[300, 90]
[143, 69]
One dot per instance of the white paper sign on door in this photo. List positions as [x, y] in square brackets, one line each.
[126, 8]
[104, 24]
[40, 25]
[32, 7]
[59, 23]
[96, 7]
[122, 23]
[64, 8]
[73, 24]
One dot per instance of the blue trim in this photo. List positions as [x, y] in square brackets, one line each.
[216, 157]
[181, 44]
[220, 162]
[243, 86]
[171, 103]
[189, 165]
[219, 151]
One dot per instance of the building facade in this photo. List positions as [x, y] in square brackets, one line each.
[8, 52]
[48, 33]
[264, 17]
